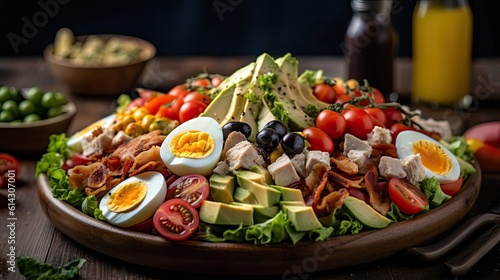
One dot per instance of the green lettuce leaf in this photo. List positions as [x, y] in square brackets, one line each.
[31, 269]
[432, 190]
[90, 206]
[396, 215]
[59, 183]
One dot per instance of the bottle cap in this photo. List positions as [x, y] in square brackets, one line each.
[371, 5]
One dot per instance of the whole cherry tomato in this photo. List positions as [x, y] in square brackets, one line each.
[318, 139]
[332, 123]
[358, 122]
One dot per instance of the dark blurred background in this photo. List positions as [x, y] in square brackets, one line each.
[218, 27]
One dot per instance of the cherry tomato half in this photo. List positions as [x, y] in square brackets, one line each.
[318, 139]
[193, 188]
[408, 198]
[9, 168]
[191, 110]
[359, 122]
[176, 219]
[325, 93]
[452, 188]
[332, 123]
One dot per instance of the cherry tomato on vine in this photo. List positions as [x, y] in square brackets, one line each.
[408, 198]
[332, 123]
[377, 114]
[339, 87]
[318, 139]
[358, 122]
[203, 82]
[341, 99]
[193, 188]
[376, 96]
[176, 219]
[216, 81]
[197, 96]
[325, 93]
[191, 110]
[392, 116]
[452, 188]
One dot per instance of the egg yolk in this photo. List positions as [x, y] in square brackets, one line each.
[192, 144]
[127, 197]
[433, 157]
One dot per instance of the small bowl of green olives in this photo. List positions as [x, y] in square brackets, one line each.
[29, 116]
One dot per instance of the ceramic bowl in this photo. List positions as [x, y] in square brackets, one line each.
[98, 79]
[33, 138]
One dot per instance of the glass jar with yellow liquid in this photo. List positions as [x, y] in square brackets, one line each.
[442, 51]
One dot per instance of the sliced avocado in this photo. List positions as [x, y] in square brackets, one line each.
[307, 91]
[219, 107]
[284, 203]
[225, 214]
[289, 66]
[264, 64]
[222, 187]
[365, 213]
[302, 218]
[268, 178]
[242, 74]
[289, 194]
[465, 167]
[297, 117]
[261, 212]
[237, 106]
[265, 116]
[244, 196]
[265, 195]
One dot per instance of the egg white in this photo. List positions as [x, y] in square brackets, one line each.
[75, 141]
[183, 166]
[157, 191]
[404, 145]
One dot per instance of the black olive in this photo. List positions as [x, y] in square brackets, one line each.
[267, 139]
[277, 126]
[236, 126]
[292, 143]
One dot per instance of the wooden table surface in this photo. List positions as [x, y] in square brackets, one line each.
[36, 237]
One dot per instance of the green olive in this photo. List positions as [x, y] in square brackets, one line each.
[49, 100]
[6, 116]
[4, 94]
[11, 106]
[32, 118]
[54, 112]
[34, 94]
[27, 107]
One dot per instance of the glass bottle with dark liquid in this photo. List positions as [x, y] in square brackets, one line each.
[370, 44]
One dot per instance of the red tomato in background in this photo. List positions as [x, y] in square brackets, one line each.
[154, 104]
[171, 110]
[392, 116]
[9, 168]
[325, 93]
[193, 188]
[191, 110]
[318, 139]
[216, 81]
[408, 198]
[397, 128]
[375, 95]
[339, 87]
[332, 123]
[176, 219]
[203, 82]
[197, 96]
[378, 114]
[341, 99]
[359, 123]
[179, 91]
[452, 188]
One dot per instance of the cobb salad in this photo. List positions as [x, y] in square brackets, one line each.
[264, 155]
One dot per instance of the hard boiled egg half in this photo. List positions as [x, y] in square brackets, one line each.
[75, 141]
[194, 146]
[437, 159]
[135, 199]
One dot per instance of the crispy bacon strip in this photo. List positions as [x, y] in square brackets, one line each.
[371, 178]
[344, 163]
[333, 200]
[79, 175]
[139, 144]
[151, 155]
[343, 181]
[145, 167]
[386, 150]
[98, 177]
